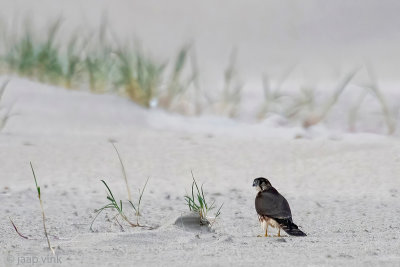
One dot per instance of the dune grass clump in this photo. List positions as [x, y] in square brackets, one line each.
[114, 204]
[35, 57]
[199, 95]
[198, 203]
[41, 207]
[176, 83]
[314, 119]
[138, 75]
[302, 104]
[20, 55]
[232, 90]
[303, 107]
[93, 60]
[376, 92]
[49, 66]
[273, 96]
[117, 205]
[73, 67]
[97, 61]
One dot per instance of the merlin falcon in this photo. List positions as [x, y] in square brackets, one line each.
[273, 209]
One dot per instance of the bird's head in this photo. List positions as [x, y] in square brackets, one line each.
[261, 184]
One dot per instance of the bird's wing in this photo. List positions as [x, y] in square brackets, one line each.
[272, 204]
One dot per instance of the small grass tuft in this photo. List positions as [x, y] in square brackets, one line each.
[117, 205]
[113, 204]
[197, 203]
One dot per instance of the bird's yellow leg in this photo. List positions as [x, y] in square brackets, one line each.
[266, 231]
[279, 232]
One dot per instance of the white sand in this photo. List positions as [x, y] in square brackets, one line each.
[343, 189]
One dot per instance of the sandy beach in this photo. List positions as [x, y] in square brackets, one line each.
[343, 189]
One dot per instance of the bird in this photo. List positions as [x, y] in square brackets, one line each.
[273, 209]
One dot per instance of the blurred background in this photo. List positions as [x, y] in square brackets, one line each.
[267, 34]
[242, 59]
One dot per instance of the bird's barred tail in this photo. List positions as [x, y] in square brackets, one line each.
[290, 228]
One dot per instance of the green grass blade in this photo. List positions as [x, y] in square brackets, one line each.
[133, 206]
[109, 190]
[34, 177]
[141, 195]
[123, 171]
